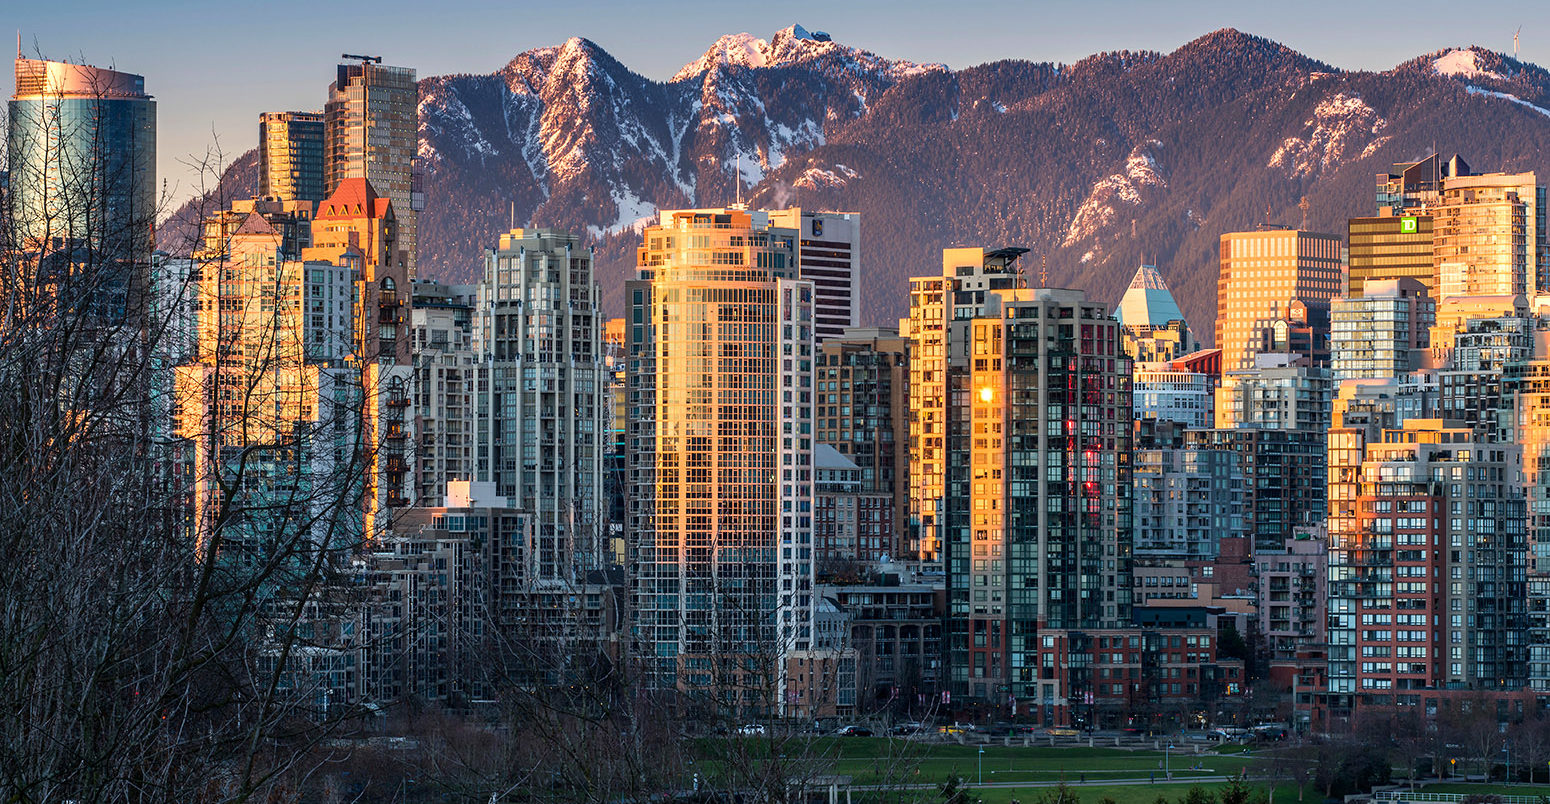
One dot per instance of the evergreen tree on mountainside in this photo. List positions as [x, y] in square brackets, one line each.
[1121, 158]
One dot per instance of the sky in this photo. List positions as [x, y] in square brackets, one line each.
[214, 66]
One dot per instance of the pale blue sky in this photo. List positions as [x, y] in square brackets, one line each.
[214, 66]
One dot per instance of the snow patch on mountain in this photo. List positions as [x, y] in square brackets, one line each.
[1101, 208]
[1342, 125]
[818, 178]
[634, 214]
[1462, 63]
[794, 45]
[1474, 90]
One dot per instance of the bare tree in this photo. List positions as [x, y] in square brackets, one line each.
[167, 565]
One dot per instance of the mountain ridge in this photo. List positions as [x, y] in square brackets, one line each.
[1096, 165]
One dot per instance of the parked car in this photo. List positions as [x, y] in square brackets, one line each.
[910, 727]
[853, 731]
[751, 729]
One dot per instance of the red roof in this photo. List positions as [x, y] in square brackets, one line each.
[355, 198]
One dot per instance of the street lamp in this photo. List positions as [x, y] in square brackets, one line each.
[982, 764]
[1167, 771]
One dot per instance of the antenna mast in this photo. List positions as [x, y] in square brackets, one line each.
[1044, 271]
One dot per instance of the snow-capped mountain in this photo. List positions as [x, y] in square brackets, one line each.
[1097, 166]
[573, 138]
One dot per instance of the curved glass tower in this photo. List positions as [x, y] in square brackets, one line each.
[82, 155]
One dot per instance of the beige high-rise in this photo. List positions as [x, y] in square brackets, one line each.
[1263, 272]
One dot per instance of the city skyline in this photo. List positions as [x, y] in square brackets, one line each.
[470, 38]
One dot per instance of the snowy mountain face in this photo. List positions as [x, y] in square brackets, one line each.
[567, 136]
[1098, 166]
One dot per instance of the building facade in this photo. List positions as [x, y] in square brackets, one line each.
[1038, 528]
[863, 411]
[1427, 557]
[1383, 333]
[540, 398]
[1263, 274]
[720, 456]
[290, 156]
[372, 131]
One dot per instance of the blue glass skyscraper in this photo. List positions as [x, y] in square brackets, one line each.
[82, 156]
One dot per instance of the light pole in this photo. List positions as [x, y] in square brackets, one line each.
[1167, 768]
[982, 764]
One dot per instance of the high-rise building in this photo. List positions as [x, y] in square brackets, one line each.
[831, 258]
[1426, 564]
[720, 530]
[81, 157]
[290, 156]
[968, 274]
[1263, 275]
[1488, 236]
[356, 226]
[269, 403]
[1487, 232]
[371, 131]
[1038, 489]
[1154, 327]
[1416, 185]
[1383, 333]
[1390, 247]
[541, 400]
[445, 380]
[863, 412]
[1284, 478]
[1187, 499]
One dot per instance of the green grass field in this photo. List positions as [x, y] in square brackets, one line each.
[882, 760]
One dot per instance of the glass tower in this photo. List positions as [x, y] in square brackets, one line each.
[371, 130]
[82, 154]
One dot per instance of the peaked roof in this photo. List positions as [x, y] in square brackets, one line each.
[355, 198]
[254, 224]
[1148, 302]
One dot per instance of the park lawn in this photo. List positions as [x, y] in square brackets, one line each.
[1122, 794]
[933, 762]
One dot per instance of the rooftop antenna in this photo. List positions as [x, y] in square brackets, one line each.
[738, 178]
[1044, 271]
[513, 214]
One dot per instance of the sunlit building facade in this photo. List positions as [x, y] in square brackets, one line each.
[968, 274]
[720, 455]
[1262, 274]
[372, 131]
[1383, 333]
[81, 157]
[1038, 485]
[290, 156]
